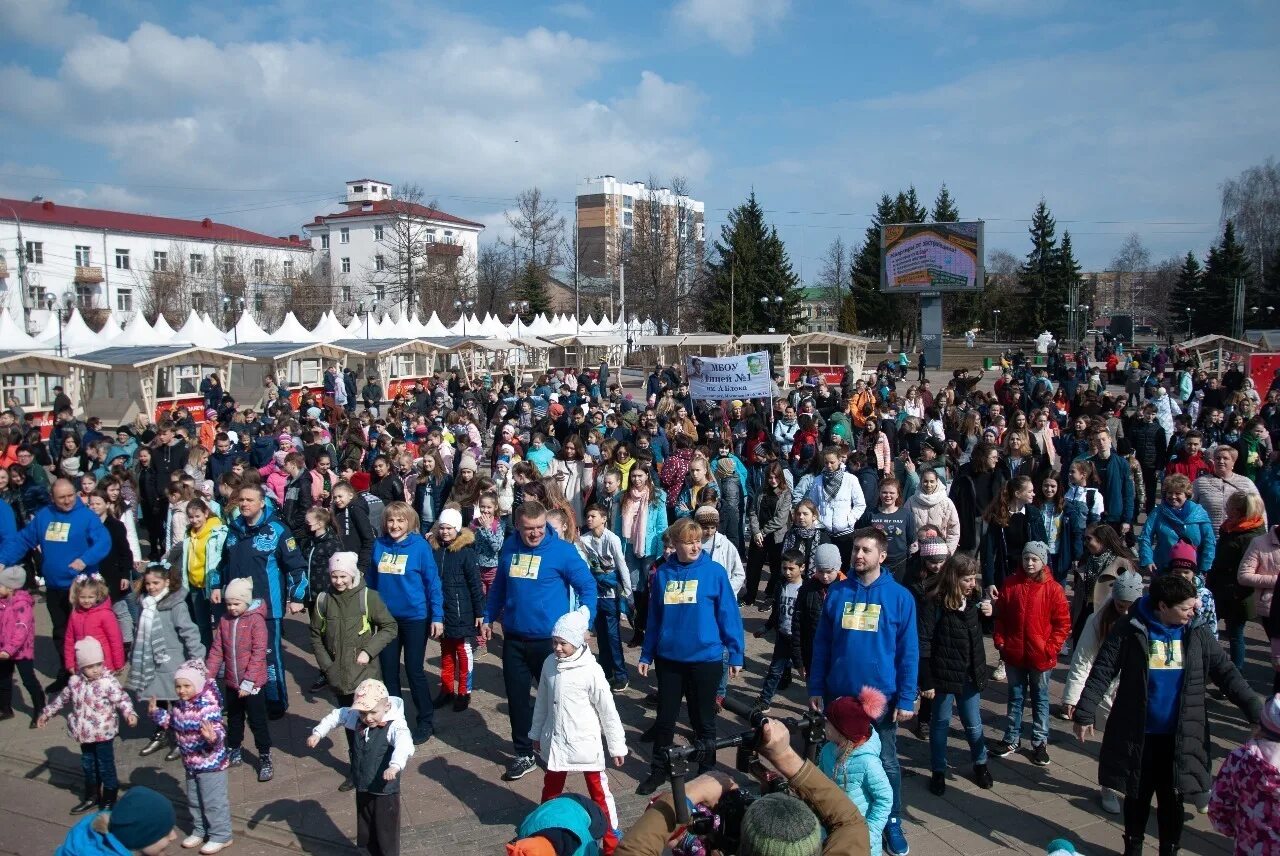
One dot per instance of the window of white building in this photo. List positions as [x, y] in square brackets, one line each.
[346, 264]
[195, 263]
[122, 258]
[379, 262]
[124, 299]
[259, 268]
[344, 235]
[83, 255]
[288, 269]
[324, 240]
[160, 260]
[377, 233]
[35, 252]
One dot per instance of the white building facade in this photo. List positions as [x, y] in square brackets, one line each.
[97, 259]
[378, 245]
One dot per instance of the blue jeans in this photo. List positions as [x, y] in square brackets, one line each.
[1235, 643]
[412, 637]
[609, 637]
[98, 762]
[887, 728]
[779, 667]
[1019, 680]
[970, 707]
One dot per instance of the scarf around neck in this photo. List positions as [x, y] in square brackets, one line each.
[831, 482]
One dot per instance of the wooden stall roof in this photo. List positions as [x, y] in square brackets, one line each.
[533, 343]
[658, 341]
[763, 339]
[285, 350]
[590, 341]
[833, 338]
[49, 363]
[1215, 340]
[146, 355]
[378, 347]
[695, 340]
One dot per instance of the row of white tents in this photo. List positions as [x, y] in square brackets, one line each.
[76, 337]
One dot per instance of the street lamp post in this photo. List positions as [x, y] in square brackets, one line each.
[995, 332]
[462, 306]
[516, 307]
[52, 303]
[776, 300]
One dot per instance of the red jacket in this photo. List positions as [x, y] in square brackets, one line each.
[1032, 621]
[1190, 466]
[241, 644]
[99, 622]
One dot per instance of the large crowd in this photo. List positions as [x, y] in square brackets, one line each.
[900, 526]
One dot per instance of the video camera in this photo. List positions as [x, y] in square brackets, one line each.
[720, 825]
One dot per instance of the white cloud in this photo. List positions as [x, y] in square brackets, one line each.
[445, 112]
[576, 11]
[733, 24]
[44, 22]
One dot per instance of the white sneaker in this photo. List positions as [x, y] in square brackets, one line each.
[999, 674]
[1110, 802]
[214, 847]
[192, 841]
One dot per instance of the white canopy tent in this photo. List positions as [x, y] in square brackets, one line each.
[247, 330]
[355, 327]
[13, 337]
[434, 327]
[291, 330]
[329, 329]
[196, 333]
[139, 333]
[110, 329]
[164, 332]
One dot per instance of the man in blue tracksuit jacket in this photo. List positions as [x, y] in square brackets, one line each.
[540, 578]
[263, 549]
[867, 636]
[72, 541]
[405, 575]
[1115, 479]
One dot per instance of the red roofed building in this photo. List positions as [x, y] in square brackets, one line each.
[378, 244]
[99, 259]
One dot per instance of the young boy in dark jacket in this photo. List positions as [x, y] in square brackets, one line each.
[783, 621]
[452, 546]
[809, 602]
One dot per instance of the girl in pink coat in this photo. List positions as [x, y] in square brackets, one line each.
[93, 617]
[1245, 802]
[17, 642]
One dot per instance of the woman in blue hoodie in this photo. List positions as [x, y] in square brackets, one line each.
[1176, 519]
[404, 574]
[693, 619]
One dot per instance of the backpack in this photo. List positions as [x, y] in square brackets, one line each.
[322, 601]
[376, 507]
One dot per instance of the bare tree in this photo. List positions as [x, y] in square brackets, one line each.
[835, 270]
[662, 257]
[1252, 203]
[399, 270]
[1131, 265]
[493, 278]
[539, 229]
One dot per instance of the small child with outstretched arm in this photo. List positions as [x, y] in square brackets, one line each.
[782, 621]
[94, 695]
[851, 758]
[602, 550]
[382, 748]
[18, 642]
[574, 709]
[239, 651]
[92, 616]
[1245, 802]
[196, 722]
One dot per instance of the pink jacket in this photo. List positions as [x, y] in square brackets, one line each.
[275, 478]
[92, 718]
[1245, 803]
[100, 623]
[241, 645]
[18, 626]
[1260, 567]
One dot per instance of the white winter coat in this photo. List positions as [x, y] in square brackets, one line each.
[721, 550]
[574, 710]
[841, 514]
[937, 509]
[1082, 662]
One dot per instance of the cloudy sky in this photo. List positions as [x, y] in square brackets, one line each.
[1123, 116]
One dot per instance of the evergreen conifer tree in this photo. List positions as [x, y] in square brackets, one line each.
[752, 264]
[1186, 299]
[1041, 279]
[1227, 264]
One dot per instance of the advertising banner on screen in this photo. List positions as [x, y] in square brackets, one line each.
[921, 257]
[743, 376]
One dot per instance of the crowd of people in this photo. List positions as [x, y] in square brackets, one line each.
[900, 526]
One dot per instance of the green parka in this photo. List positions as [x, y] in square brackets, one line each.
[341, 628]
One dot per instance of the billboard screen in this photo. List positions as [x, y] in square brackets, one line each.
[919, 257]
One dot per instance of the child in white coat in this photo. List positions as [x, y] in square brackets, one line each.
[574, 709]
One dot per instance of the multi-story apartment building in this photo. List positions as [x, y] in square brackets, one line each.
[379, 244]
[97, 259]
[609, 212]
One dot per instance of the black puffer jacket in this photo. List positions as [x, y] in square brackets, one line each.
[460, 579]
[951, 649]
[1124, 654]
[804, 621]
[1149, 443]
[1229, 596]
[316, 552]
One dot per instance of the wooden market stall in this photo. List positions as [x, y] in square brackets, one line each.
[296, 366]
[151, 380]
[397, 363]
[648, 351]
[575, 353]
[30, 376]
[830, 353]
[1214, 353]
[777, 344]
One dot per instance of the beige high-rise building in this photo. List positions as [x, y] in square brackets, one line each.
[609, 212]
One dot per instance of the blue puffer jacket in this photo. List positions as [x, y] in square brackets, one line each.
[1165, 527]
[266, 553]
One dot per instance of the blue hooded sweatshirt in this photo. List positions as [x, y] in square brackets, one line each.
[533, 585]
[84, 840]
[404, 574]
[693, 614]
[1164, 670]
[63, 537]
[867, 636]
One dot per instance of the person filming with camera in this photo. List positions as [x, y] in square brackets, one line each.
[791, 823]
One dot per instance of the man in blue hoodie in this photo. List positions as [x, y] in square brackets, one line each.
[264, 550]
[540, 578]
[867, 636]
[72, 541]
[1115, 479]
